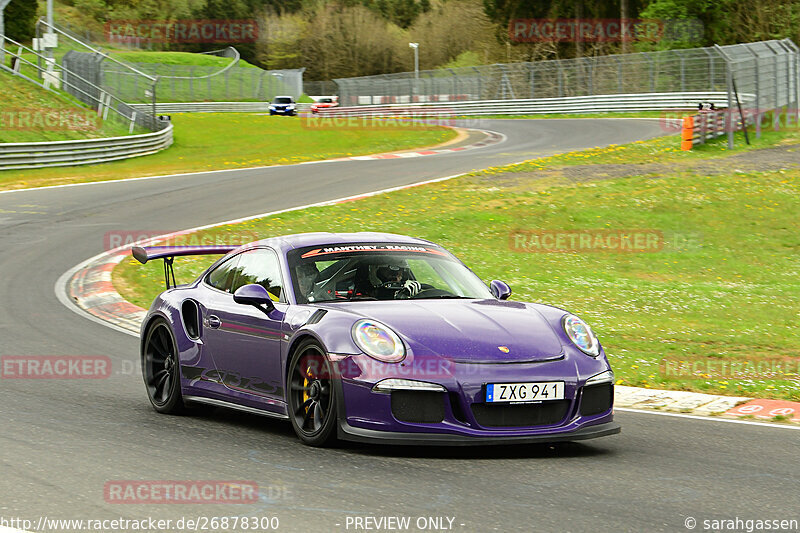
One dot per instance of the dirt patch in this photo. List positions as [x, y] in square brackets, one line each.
[785, 157]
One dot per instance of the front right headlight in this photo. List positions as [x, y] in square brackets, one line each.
[581, 335]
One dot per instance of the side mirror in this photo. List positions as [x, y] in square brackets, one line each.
[500, 289]
[254, 294]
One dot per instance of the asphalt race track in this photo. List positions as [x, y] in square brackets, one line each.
[63, 440]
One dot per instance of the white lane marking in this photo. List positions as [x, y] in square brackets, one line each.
[183, 174]
[706, 418]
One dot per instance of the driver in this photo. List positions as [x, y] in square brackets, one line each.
[307, 274]
[397, 277]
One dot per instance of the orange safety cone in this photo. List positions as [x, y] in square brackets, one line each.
[687, 132]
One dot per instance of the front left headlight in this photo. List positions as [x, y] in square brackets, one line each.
[272, 107]
[378, 341]
[581, 335]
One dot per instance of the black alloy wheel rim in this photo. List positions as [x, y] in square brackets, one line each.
[310, 388]
[160, 367]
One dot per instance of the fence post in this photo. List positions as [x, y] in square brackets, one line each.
[683, 72]
[711, 77]
[796, 78]
[651, 71]
[133, 122]
[788, 82]
[560, 80]
[108, 104]
[532, 69]
[729, 83]
[776, 114]
[100, 102]
[758, 113]
[590, 69]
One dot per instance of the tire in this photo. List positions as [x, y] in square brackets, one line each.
[311, 398]
[160, 369]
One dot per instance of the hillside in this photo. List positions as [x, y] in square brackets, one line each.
[29, 113]
[176, 58]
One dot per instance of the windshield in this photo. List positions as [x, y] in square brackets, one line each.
[282, 100]
[326, 100]
[382, 271]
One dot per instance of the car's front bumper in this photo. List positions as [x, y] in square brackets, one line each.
[350, 433]
[460, 415]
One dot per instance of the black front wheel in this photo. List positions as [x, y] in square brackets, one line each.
[311, 398]
[161, 370]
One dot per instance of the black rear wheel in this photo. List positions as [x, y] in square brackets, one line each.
[311, 398]
[161, 370]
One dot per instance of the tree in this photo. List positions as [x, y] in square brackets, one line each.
[20, 20]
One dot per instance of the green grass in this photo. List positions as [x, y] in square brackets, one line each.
[215, 141]
[29, 113]
[725, 285]
[177, 58]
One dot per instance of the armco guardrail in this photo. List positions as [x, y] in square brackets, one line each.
[710, 124]
[603, 103]
[214, 107]
[15, 156]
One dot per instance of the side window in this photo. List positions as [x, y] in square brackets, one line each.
[222, 277]
[261, 267]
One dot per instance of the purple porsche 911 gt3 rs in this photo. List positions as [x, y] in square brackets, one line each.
[371, 337]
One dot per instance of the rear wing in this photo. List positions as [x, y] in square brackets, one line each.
[143, 254]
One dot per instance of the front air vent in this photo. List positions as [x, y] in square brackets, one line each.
[317, 316]
[597, 399]
[190, 315]
[422, 407]
[546, 413]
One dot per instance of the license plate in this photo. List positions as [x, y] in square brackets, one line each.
[524, 392]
